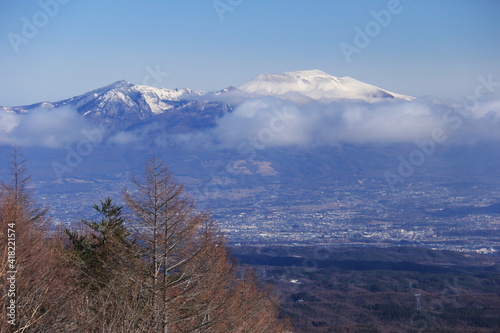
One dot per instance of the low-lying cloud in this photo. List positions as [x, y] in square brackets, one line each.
[51, 128]
[271, 122]
[265, 122]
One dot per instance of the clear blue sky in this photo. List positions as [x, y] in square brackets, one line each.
[430, 48]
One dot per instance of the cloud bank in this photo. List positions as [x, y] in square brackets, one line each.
[272, 122]
[263, 122]
[50, 128]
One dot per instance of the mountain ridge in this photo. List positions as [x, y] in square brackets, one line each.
[317, 81]
[122, 104]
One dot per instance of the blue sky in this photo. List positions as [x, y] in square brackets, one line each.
[429, 47]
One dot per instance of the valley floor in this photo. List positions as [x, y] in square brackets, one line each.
[398, 289]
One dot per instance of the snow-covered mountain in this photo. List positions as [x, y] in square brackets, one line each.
[124, 105]
[317, 85]
[149, 99]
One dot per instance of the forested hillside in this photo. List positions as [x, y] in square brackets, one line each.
[370, 289]
[155, 265]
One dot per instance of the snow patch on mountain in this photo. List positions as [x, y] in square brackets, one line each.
[318, 85]
[156, 97]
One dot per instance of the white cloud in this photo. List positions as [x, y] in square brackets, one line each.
[268, 122]
[123, 138]
[51, 128]
[272, 122]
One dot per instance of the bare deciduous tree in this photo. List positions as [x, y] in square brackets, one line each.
[165, 269]
[166, 224]
[193, 285]
[40, 277]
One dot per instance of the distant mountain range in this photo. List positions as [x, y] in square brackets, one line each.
[123, 104]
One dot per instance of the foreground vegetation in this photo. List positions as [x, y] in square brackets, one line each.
[156, 265]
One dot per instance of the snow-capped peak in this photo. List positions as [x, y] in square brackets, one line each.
[311, 74]
[317, 85]
[133, 96]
